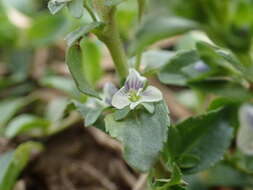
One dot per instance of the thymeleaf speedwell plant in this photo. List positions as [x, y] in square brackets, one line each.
[135, 112]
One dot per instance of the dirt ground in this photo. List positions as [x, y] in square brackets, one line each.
[78, 159]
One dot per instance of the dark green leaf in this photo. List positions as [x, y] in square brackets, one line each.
[188, 161]
[225, 175]
[13, 162]
[192, 137]
[74, 61]
[142, 134]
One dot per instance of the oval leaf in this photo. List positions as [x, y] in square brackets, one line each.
[74, 62]
[142, 134]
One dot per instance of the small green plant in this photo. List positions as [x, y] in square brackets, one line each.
[212, 58]
[137, 114]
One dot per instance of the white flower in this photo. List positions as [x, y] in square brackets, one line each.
[245, 133]
[134, 92]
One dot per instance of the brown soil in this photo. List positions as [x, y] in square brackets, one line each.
[79, 159]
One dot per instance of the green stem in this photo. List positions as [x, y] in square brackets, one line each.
[138, 61]
[93, 16]
[111, 37]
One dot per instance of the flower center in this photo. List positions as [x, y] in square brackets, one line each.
[133, 96]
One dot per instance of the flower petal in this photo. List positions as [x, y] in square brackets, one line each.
[245, 132]
[151, 94]
[134, 104]
[120, 99]
[134, 80]
[109, 90]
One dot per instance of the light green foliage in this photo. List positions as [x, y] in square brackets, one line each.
[77, 34]
[113, 2]
[74, 61]
[180, 69]
[214, 75]
[92, 58]
[13, 162]
[45, 29]
[76, 8]
[8, 108]
[90, 111]
[142, 134]
[25, 123]
[160, 28]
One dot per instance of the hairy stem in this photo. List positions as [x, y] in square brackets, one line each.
[110, 36]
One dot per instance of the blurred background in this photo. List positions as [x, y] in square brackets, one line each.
[43, 142]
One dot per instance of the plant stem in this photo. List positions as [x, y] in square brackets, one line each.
[110, 36]
[138, 61]
[93, 16]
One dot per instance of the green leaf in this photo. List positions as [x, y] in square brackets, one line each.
[74, 62]
[13, 162]
[142, 134]
[192, 137]
[220, 57]
[61, 83]
[77, 34]
[156, 29]
[56, 109]
[8, 108]
[90, 113]
[55, 6]
[171, 73]
[180, 69]
[153, 60]
[188, 161]
[165, 184]
[46, 29]
[91, 60]
[223, 88]
[76, 8]
[149, 107]
[26, 124]
[121, 114]
[224, 175]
